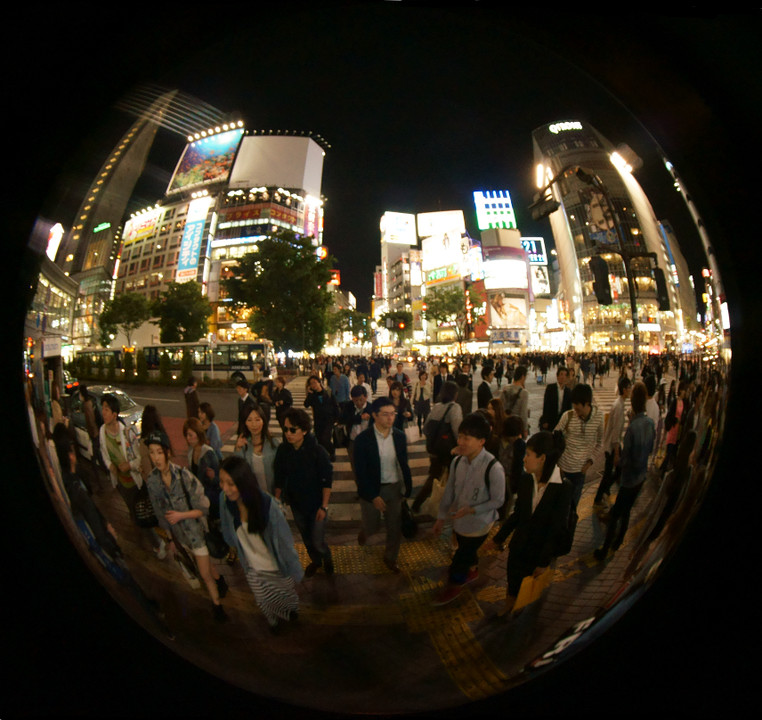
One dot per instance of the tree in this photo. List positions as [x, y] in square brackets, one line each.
[348, 320]
[125, 312]
[399, 322]
[183, 313]
[449, 307]
[285, 285]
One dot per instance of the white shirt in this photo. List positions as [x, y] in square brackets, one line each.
[257, 554]
[390, 469]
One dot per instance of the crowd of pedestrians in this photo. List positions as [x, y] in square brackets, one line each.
[487, 472]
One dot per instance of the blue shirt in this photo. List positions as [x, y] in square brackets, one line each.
[339, 385]
[637, 446]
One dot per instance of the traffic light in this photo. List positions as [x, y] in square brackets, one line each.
[601, 287]
[661, 289]
[542, 208]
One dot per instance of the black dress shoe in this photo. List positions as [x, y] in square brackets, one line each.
[392, 566]
[361, 539]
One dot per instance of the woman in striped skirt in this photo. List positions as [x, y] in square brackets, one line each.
[254, 524]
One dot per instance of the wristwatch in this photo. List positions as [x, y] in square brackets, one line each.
[324, 508]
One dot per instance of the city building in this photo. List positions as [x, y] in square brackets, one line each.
[230, 189]
[602, 212]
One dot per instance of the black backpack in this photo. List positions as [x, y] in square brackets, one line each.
[441, 440]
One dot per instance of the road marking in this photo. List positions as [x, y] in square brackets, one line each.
[142, 397]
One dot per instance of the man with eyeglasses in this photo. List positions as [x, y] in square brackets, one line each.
[303, 478]
[383, 478]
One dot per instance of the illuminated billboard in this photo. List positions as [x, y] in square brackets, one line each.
[193, 235]
[286, 161]
[505, 268]
[206, 160]
[444, 240]
[494, 209]
[141, 226]
[540, 280]
[507, 312]
[398, 228]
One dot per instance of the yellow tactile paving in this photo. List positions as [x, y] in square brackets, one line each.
[468, 665]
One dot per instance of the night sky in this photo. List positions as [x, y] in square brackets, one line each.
[421, 105]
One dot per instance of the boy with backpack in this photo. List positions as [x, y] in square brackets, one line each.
[516, 397]
[474, 493]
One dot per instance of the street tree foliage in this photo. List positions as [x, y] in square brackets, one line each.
[182, 312]
[125, 312]
[448, 307]
[285, 285]
[348, 320]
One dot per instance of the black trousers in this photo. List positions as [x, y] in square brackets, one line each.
[619, 517]
[465, 557]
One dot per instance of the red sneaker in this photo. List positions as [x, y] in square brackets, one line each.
[473, 574]
[447, 595]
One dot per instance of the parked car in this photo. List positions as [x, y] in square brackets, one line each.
[129, 411]
[70, 383]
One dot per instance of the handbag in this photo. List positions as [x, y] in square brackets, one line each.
[409, 525]
[531, 589]
[215, 543]
[339, 435]
[144, 514]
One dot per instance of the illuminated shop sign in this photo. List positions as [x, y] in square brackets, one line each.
[556, 128]
[535, 250]
[141, 226]
[505, 268]
[494, 209]
[443, 274]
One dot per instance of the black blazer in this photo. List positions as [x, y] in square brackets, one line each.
[551, 413]
[437, 385]
[483, 395]
[537, 535]
[368, 463]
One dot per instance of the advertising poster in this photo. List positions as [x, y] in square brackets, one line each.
[205, 161]
[507, 312]
[540, 280]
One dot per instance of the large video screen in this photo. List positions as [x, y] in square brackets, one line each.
[206, 161]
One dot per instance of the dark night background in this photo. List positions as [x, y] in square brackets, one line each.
[409, 105]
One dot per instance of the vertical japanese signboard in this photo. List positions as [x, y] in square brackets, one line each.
[193, 236]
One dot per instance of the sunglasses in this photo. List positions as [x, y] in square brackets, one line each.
[290, 429]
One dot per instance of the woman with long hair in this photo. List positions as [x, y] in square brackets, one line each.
[540, 518]
[254, 524]
[203, 463]
[259, 448]
[181, 507]
[401, 404]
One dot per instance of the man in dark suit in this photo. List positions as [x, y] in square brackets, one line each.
[484, 391]
[355, 416]
[557, 400]
[383, 478]
[440, 379]
[246, 404]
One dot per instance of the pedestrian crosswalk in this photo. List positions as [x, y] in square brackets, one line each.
[344, 508]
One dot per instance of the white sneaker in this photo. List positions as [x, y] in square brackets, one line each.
[161, 551]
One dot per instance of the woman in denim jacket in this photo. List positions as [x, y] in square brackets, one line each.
[259, 448]
[254, 524]
[181, 507]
